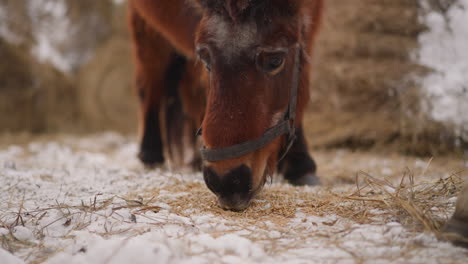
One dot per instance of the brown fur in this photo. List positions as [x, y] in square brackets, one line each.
[154, 43]
[150, 63]
[174, 20]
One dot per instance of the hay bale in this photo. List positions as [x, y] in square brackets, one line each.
[362, 94]
[106, 98]
[33, 97]
[105, 84]
[16, 90]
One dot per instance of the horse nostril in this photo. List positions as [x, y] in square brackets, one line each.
[233, 189]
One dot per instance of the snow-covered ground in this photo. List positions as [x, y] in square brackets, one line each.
[88, 200]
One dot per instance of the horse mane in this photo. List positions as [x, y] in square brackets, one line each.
[241, 10]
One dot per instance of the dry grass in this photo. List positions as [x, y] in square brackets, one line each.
[419, 206]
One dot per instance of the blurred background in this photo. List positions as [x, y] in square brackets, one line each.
[390, 75]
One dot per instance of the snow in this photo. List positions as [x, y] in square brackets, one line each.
[80, 202]
[443, 49]
[7, 258]
[92, 248]
[22, 233]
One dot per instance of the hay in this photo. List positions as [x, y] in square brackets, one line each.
[37, 97]
[107, 100]
[363, 93]
[419, 206]
[33, 97]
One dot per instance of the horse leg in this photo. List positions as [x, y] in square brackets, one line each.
[172, 114]
[183, 108]
[192, 92]
[152, 54]
[298, 167]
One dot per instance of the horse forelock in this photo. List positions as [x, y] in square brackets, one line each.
[235, 26]
[236, 8]
[231, 38]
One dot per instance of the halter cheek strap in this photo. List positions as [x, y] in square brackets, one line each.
[285, 127]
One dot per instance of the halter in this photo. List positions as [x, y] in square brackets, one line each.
[285, 127]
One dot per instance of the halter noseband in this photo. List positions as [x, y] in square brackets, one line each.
[286, 126]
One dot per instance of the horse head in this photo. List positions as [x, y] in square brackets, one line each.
[253, 50]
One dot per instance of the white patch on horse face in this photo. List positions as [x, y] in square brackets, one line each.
[277, 118]
[232, 38]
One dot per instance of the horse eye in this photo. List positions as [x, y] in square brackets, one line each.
[205, 56]
[271, 62]
[275, 62]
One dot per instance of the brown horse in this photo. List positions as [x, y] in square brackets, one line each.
[249, 99]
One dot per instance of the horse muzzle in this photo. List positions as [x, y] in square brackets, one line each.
[233, 189]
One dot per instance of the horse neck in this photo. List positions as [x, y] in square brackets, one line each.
[175, 20]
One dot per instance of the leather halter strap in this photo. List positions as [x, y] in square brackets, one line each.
[284, 127]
